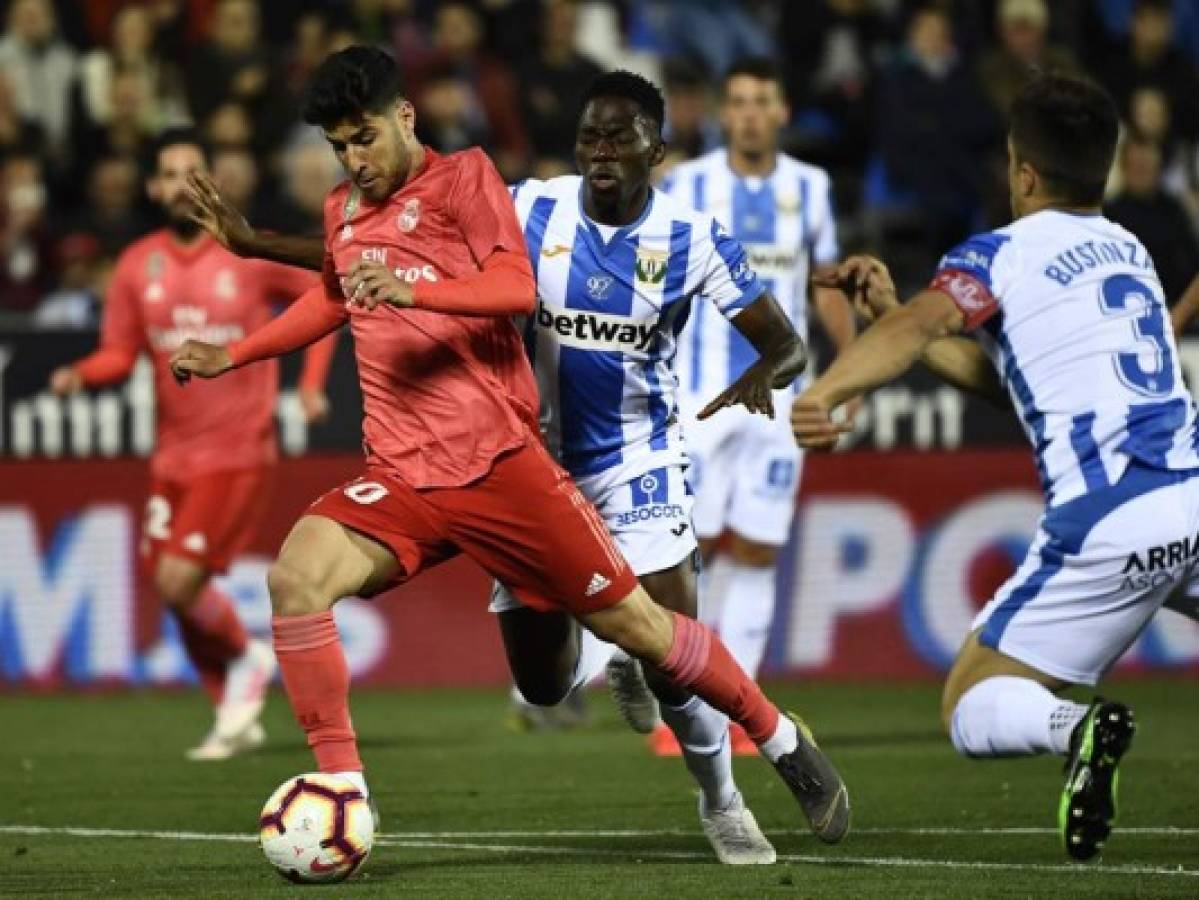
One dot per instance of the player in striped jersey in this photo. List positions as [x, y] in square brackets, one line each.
[619, 268]
[1071, 323]
[745, 468]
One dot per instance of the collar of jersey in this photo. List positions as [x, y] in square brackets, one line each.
[622, 232]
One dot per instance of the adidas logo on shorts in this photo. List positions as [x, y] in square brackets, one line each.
[597, 584]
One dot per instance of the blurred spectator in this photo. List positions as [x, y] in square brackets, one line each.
[310, 171]
[132, 50]
[229, 126]
[714, 32]
[449, 119]
[936, 130]
[17, 132]
[234, 66]
[24, 242]
[42, 70]
[1150, 117]
[552, 81]
[112, 214]
[457, 48]
[1150, 60]
[1023, 50]
[834, 47]
[689, 129]
[130, 121]
[76, 302]
[235, 173]
[1158, 219]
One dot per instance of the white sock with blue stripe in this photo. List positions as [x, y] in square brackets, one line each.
[703, 733]
[1010, 716]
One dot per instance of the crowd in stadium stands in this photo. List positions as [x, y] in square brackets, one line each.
[903, 102]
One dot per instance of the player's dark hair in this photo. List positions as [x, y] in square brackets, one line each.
[763, 68]
[350, 84]
[176, 136]
[628, 86]
[1066, 128]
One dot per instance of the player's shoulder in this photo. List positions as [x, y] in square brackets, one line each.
[669, 208]
[137, 254]
[339, 202]
[557, 188]
[707, 165]
[789, 167]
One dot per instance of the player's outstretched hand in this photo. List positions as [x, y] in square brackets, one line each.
[218, 216]
[866, 281]
[812, 424]
[370, 283]
[315, 405]
[65, 380]
[754, 390]
[198, 358]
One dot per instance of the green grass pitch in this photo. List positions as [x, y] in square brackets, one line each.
[472, 809]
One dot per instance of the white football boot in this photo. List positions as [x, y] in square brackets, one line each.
[633, 697]
[735, 836]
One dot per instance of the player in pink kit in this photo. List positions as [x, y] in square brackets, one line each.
[426, 260]
[215, 443]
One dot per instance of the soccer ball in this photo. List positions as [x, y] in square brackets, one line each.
[316, 828]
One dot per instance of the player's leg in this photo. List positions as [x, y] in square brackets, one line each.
[320, 562]
[193, 531]
[529, 526]
[759, 517]
[1085, 592]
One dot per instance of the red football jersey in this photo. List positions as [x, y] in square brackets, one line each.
[443, 395]
[162, 294]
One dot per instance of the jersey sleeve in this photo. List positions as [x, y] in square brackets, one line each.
[727, 279]
[976, 274]
[283, 284]
[122, 327]
[825, 249]
[482, 205]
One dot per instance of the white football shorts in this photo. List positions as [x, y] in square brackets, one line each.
[1099, 568]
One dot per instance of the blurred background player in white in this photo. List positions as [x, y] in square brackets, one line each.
[1069, 313]
[214, 447]
[745, 469]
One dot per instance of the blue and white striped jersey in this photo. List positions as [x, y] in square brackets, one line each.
[785, 222]
[1070, 310]
[610, 305]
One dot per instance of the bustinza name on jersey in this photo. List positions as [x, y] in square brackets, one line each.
[589, 330]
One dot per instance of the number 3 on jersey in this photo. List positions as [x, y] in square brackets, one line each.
[1116, 295]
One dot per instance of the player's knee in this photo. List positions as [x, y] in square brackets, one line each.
[753, 554]
[293, 591]
[178, 582]
[544, 691]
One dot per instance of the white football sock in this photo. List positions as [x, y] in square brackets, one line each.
[783, 741]
[748, 610]
[703, 733]
[1009, 716]
[593, 656]
[712, 589]
[357, 779]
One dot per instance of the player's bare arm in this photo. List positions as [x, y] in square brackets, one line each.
[883, 352]
[66, 380]
[223, 221]
[957, 360]
[1186, 308]
[781, 357]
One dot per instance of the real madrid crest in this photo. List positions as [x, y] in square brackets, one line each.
[409, 216]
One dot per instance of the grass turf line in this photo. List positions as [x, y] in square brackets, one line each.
[445, 771]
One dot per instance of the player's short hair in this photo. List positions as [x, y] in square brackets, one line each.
[763, 68]
[1066, 128]
[176, 136]
[628, 86]
[350, 84]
